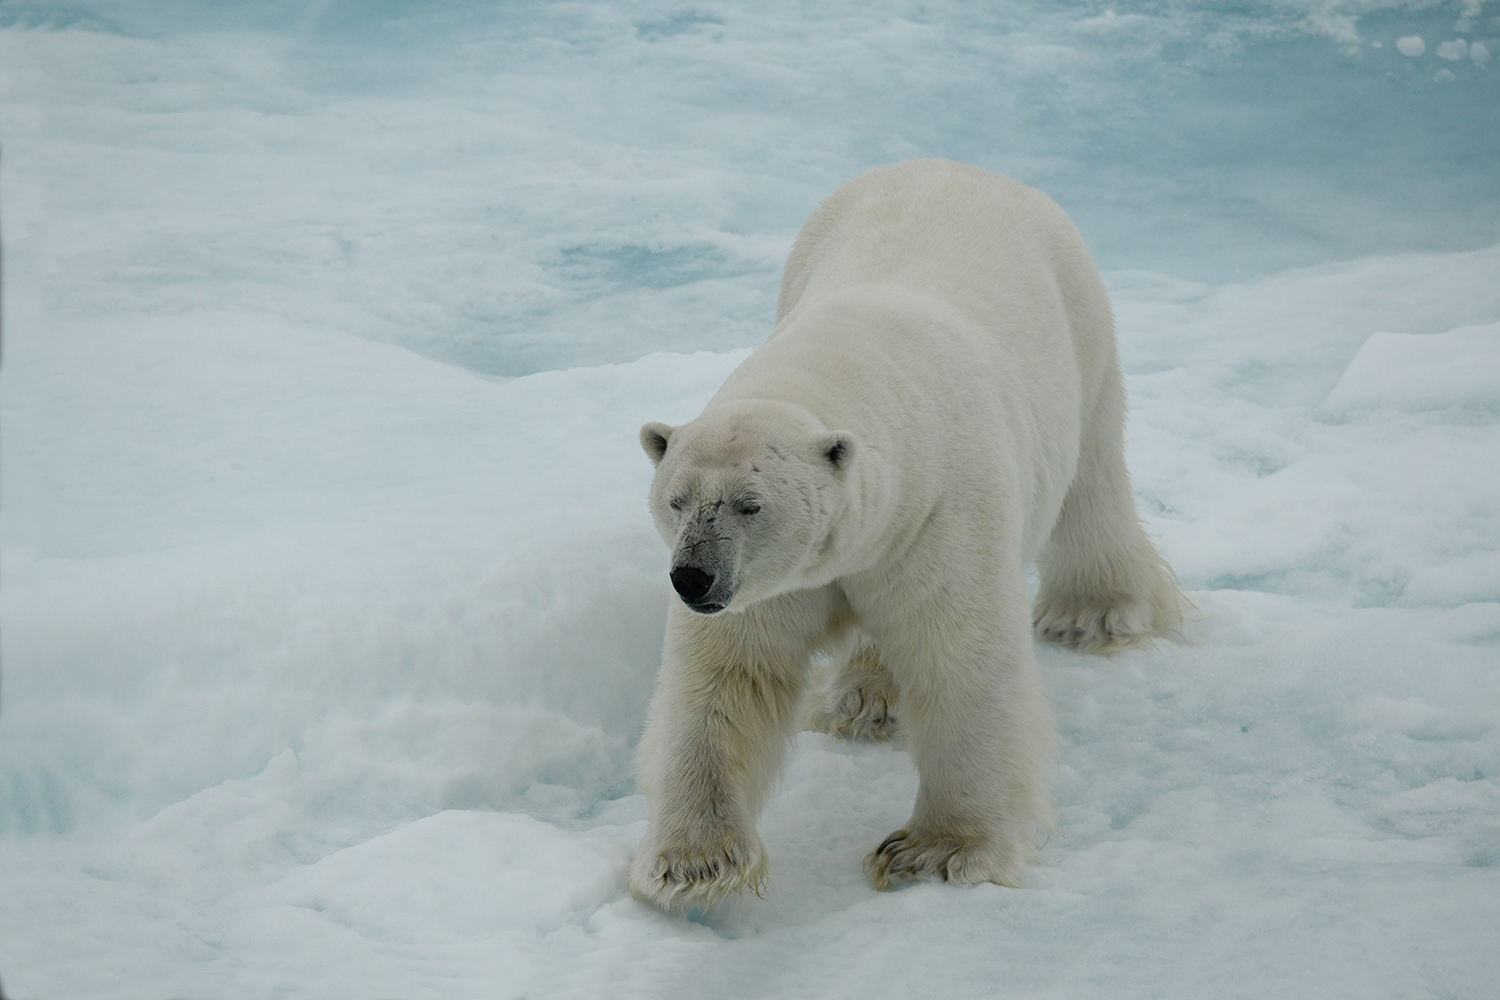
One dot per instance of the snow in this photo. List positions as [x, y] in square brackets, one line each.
[331, 605]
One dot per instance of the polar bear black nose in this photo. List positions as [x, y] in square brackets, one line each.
[692, 583]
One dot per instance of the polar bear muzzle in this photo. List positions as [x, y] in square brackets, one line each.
[695, 586]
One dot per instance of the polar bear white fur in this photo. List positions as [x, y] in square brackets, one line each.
[939, 405]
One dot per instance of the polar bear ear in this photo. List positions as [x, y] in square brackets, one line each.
[837, 449]
[654, 437]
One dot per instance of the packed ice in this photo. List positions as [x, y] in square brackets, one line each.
[331, 605]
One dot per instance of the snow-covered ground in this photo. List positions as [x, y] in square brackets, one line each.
[330, 601]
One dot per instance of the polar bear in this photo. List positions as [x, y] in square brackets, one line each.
[939, 405]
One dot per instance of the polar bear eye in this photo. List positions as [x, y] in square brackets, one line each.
[676, 503]
[748, 507]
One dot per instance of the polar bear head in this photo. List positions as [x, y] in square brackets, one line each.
[748, 496]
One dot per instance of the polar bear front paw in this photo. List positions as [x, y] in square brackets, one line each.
[966, 861]
[682, 876]
[1102, 626]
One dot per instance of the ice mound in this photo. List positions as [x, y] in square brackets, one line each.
[1416, 372]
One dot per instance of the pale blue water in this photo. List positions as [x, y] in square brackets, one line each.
[541, 163]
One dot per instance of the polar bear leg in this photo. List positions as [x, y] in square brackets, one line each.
[860, 699]
[980, 733]
[724, 711]
[1104, 587]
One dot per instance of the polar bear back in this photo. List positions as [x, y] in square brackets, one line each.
[987, 245]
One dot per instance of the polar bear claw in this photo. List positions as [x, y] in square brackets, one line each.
[904, 856]
[703, 875]
[1095, 628]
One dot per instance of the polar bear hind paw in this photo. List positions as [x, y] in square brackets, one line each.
[700, 876]
[904, 856]
[857, 713]
[858, 700]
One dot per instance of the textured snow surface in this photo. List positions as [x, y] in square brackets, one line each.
[331, 606]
